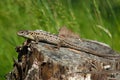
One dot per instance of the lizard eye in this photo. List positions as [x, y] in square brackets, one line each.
[31, 33]
[22, 32]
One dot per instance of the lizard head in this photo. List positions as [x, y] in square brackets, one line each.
[26, 34]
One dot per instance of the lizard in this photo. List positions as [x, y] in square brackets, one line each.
[40, 35]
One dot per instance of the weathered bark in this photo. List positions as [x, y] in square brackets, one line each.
[42, 61]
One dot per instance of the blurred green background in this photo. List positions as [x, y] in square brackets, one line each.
[92, 19]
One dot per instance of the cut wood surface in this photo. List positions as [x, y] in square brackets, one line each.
[43, 61]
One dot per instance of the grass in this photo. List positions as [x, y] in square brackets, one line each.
[92, 19]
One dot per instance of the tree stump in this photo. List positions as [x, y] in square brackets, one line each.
[43, 61]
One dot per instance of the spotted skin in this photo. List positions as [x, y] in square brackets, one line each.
[39, 35]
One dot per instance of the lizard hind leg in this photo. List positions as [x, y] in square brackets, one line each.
[57, 46]
[53, 47]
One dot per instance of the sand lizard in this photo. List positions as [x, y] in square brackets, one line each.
[39, 35]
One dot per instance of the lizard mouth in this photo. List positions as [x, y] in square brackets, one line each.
[25, 34]
[22, 33]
